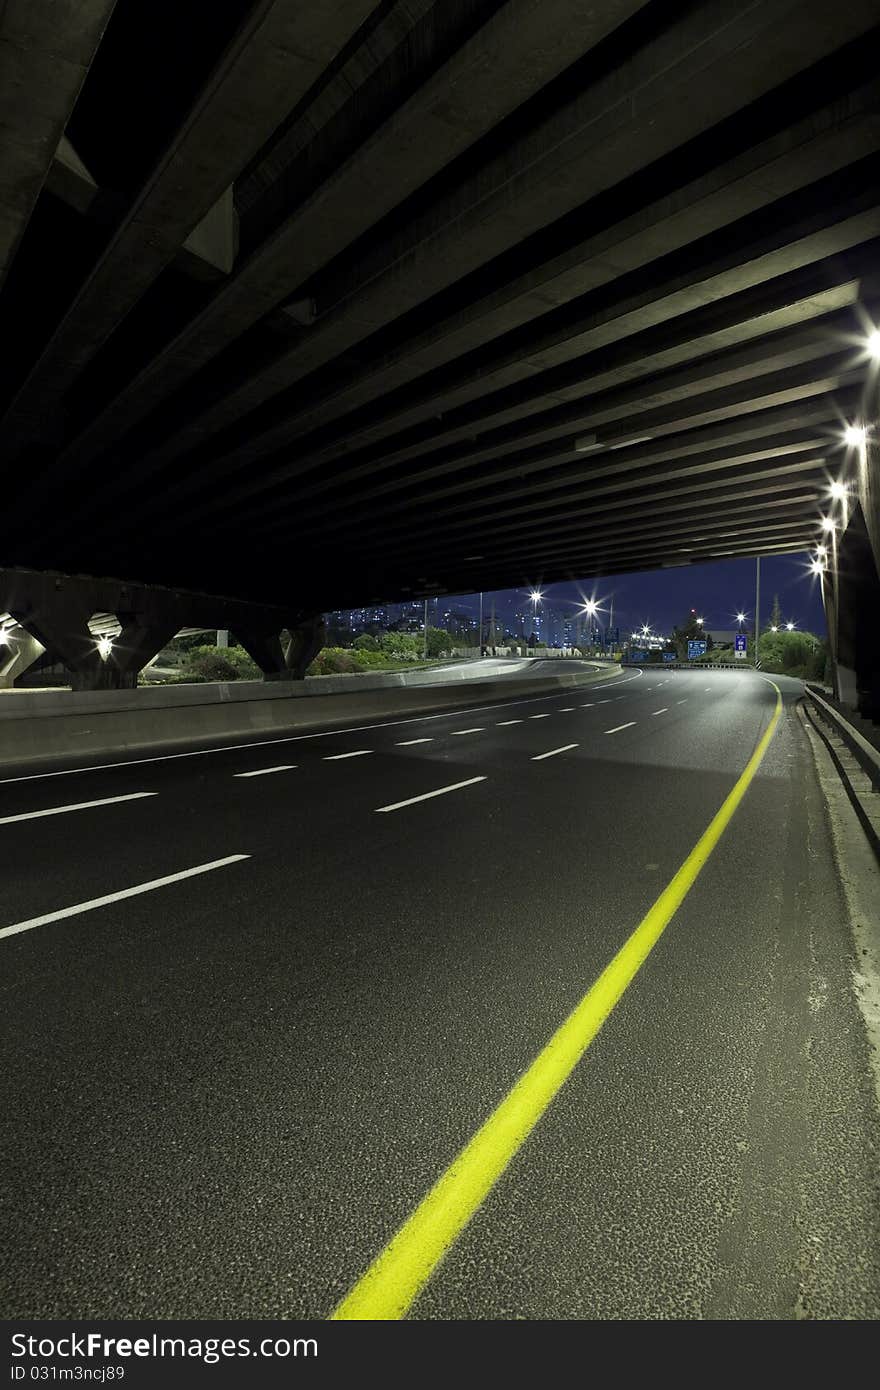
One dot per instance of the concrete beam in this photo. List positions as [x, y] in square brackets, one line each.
[281, 49]
[45, 53]
[809, 150]
[522, 47]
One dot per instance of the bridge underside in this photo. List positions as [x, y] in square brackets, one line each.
[319, 305]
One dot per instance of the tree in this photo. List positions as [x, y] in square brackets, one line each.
[776, 613]
[366, 643]
[689, 631]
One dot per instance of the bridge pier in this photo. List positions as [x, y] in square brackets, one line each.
[286, 655]
[55, 611]
[851, 588]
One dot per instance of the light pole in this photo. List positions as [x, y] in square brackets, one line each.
[536, 597]
[425, 634]
[757, 610]
[480, 626]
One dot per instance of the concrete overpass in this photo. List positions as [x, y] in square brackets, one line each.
[372, 300]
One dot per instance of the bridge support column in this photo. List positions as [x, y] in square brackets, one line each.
[19, 652]
[852, 602]
[286, 656]
[303, 644]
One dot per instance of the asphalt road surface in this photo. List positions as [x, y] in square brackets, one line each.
[225, 1093]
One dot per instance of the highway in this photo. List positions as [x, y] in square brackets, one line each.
[229, 1089]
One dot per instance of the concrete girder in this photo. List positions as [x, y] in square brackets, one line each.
[808, 151]
[45, 53]
[684, 412]
[692, 291]
[803, 424]
[715, 360]
[512, 56]
[281, 49]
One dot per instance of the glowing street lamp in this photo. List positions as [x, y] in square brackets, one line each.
[855, 435]
[873, 344]
[774, 628]
[740, 618]
[838, 491]
[789, 627]
[105, 647]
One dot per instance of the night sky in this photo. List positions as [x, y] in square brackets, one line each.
[662, 598]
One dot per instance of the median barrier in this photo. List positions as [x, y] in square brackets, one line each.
[39, 727]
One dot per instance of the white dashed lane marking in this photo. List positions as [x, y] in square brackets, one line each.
[630, 725]
[264, 771]
[539, 757]
[426, 796]
[74, 806]
[337, 757]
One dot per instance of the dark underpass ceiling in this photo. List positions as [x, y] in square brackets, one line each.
[358, 301]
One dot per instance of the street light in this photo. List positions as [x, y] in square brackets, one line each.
[701, 621]
[789, 627]
[105, 647]
[855, 435]
[740, 618]
[838, 491]
[827, 523]
[873, 344]
[817, 566]
[774, 628]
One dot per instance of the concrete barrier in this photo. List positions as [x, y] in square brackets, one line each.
[76, 726]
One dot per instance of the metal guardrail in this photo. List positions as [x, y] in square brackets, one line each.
[865, 754]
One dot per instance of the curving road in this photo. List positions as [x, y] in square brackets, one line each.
[228, 1090]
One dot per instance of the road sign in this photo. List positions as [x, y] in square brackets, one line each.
[669, 656]
[638, 656]
[697, 648]
[740, 645]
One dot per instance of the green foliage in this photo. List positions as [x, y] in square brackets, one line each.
[208, 663]
[440, 643]
[366, 643]
[688, 631]
[801, 654]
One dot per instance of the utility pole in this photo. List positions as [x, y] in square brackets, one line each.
[425, 637]
[757, 609]
[480, 628]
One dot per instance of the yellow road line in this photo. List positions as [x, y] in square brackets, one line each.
[408, 1260]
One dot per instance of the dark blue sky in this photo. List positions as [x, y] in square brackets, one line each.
[663, 597]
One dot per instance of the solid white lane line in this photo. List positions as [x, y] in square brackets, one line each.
[621, 726]
[337, 757]
[287, 738]
[539, 757]
[460, 733]
[539, 716]
[426, 796]
[664, 710]
[118, 897]
[409, 742]
[74, 806]
[264, 771]
[503, 723]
